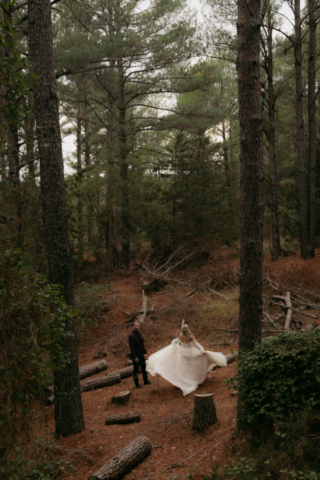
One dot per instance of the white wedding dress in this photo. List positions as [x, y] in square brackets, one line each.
[184, 364]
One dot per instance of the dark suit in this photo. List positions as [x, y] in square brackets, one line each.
[138, 350]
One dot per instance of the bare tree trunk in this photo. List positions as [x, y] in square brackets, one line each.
[276, 246]
[87, 162]
[68, 406]
[300, 132]
[79, 178]
[251, 203]
[125, 218]
[312, 126]
[109, 233]
[14, 182]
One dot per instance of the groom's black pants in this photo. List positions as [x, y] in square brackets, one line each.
[141, 363]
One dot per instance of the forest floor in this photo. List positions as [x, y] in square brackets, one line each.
[166, 414]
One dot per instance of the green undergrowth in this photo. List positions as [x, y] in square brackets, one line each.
[279, 391]
[91, 307]
[37, 461]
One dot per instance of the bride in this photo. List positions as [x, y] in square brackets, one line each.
[184, 363]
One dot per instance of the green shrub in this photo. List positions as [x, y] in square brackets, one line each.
[32, 323]
[279, 377]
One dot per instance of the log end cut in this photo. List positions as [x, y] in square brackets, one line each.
[122, 397]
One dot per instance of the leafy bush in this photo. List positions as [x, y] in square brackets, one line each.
[278, 377]
[32, 323]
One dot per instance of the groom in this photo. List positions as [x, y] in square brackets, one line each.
[138, 354]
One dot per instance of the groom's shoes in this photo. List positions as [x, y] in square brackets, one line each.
[138, 386]
[148, 382]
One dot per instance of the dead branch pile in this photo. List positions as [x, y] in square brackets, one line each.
[290, 302]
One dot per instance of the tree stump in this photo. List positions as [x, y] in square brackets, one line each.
[100, 382]
[125, 461]
[204, 414]
[88, 370]
[123, 418]
[122, 397]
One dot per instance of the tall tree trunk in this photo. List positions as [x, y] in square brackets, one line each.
[125, 216]
[14, 181]
[109, 233]
[79, 177]
[251, 202]
[87, 162]
[276, 246]
[300, 132]
[68, 406]
[312, 126]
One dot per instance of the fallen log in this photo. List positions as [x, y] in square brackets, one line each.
[125, 372]
[125, 461]
[101, 382]
[231, 357]
[121, 398]
[123, 418]
[92, 369]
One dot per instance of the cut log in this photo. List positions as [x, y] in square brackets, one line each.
[101, 382]
[125, 372]
[125, 461]
[92, 369]
[123, 418]
[204, 413]
[122, 397]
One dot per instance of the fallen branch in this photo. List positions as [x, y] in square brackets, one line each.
[217, 293]
[177, 465]
[231, 357]
[296, 310]
[109, 293]
[142, 317]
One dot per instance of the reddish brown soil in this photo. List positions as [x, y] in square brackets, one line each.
[166, 414]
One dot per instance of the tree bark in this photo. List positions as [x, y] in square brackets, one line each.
[68, 406]
[300, 132]
[79, 178]
[125, 216]
[204, 414]
[87, 162]
[251, 160]
[123, 418]
[125, 461]
[276, 246]
[251, 204]
[312, 127]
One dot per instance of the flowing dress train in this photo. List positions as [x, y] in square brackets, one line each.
[184, 364]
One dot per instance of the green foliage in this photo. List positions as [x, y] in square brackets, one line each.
[278, 377]
[38, 462]
[91, 308]
[32, 326]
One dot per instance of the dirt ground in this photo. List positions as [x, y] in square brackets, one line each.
[166, 414]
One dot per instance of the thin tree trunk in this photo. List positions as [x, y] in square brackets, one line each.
[14, 181]
[87, 162]
[68, 406]
[251, 202]
[79, 177]
[312, 126]
[109, 233]
[300, 132]
[125, 218]
[276, 246]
